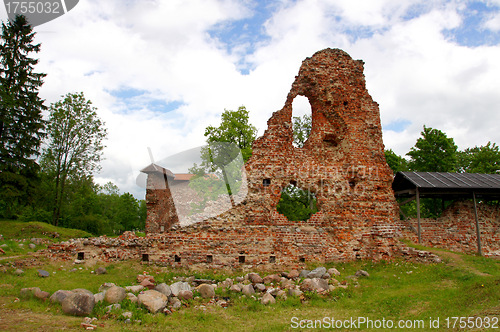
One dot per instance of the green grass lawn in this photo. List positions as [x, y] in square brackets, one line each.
[27, 230]
[460, 286]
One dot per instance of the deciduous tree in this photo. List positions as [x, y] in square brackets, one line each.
[482, 159]
[75, 144]
[433, 152]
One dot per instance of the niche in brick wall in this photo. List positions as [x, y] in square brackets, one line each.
[301, 120]
[297, 203]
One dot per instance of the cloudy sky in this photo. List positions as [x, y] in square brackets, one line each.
[160, 71]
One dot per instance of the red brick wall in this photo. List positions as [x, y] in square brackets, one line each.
[456, 229]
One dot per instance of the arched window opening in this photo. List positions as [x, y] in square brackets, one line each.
[301, 120]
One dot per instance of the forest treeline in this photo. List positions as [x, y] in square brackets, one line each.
[47, 164]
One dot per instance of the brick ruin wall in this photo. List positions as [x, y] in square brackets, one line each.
[342, 163]
[455, 229]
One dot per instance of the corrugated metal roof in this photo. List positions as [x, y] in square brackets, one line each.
[442, 180]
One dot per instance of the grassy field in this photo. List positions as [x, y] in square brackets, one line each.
[460, 286]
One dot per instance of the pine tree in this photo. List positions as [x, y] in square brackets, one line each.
[21, 123]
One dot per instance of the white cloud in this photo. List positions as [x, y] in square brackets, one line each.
[493, 23]
[164, 49]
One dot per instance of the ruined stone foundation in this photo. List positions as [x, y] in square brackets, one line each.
[342, 163]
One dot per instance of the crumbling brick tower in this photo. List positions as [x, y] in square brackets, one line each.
[342, 162]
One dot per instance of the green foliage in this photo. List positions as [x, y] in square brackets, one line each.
[483, 159]
[234, 128]
[296, 204]
[433, 152]
[301, 129]
[27, 230]
[396, 162]
[74, 147]
[220, 170]
[21, 123]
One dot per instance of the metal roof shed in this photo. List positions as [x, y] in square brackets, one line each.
[416, 185]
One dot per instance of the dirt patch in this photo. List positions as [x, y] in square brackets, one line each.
[26, 320]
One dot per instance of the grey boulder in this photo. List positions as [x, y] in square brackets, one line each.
[59, 296]
[164, 289]
[78, 304]
[115, 294]
[152, 300]
[179, 286]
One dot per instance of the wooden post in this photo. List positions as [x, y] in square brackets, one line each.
[478, 232]
[419, 231]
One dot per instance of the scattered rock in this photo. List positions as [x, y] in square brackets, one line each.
[315, 284]
[362, 273]
[28, 292]
[115, 294]
[333, 272]
[304, 273]
[115, 306]
[281, 294]
[273, 291]
[132, 297]
[293, 274]
[127, 314]
[164, 289]
[32, 246]
[326, 276]
[267, 299]
[59, 296]
[104, 287]
[152, 300]
[40, 294]
[317, 272]
[18, 272]
[206, 291]
[185, 295]
[135, 289]
[175, 302]
[272, 278]
[248, 290]
[43, 273]
[287, 283]
[142, 277]
[146, 283]
[294, 292]
[82, 290]
[101, 270]
[78, 304]
[260, 288]
[179, 286]
[235, 288]
[240, 279]
[255, 278]
[99, 297]
[36, 241]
